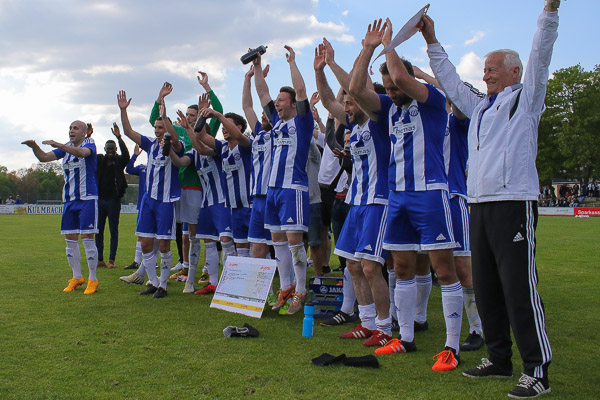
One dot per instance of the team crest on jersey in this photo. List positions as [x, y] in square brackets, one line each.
[292, 130]
[366, 136]
[267, 136]
[413, 110]
[447, 131]
[237, 156]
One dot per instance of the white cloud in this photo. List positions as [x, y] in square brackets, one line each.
[470, 69]
[345, 12]
[476, 38]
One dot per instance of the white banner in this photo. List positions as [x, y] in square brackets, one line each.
[556, 211]
[244, 285]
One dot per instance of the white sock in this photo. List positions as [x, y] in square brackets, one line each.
[423, 292]
[405, 299]
[138, 252]
[166, 259]
[452, 304]
[149, 264]
[74, 257]
[367, 316]
[212, 262]
[348, 291]
[471, 310]
[243, 252]
[284, 263]
[228, 250]
[91, 253]
[391, 288]
[195, 249]
[300, 264]
[384, 325]
[186, 264]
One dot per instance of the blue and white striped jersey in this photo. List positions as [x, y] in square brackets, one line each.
[370, 152]
[209, 171]
[456, 150]
[237, 164]
[291, 143]
[80, 174]
[162, 177]
[261, 161]
[417, 134]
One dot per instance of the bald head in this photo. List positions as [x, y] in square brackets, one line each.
[77, 132]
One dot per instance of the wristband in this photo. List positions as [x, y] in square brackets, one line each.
[552, 3]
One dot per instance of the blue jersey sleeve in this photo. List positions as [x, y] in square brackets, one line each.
[59, 153]
[145, 143]
[435, 99]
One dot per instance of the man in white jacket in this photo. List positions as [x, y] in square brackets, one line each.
[502, 188]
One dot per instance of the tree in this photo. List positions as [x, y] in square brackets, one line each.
[569, 144]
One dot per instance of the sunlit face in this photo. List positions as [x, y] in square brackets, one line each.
[265, 124]
[110, 149]
[496, 76]
[355, 114]
[191, 115]
[284, 106]
[159, 129]
[398, 96]
[77, 132]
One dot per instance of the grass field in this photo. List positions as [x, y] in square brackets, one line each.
[116, 344]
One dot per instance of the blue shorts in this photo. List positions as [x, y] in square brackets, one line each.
[156, 219]
[419, 221]
[256, 231]
[240, 218]
[362, 234]
[79, 216]
[460, 223]
[287, 210]
[187, 208]
[214, 222]
[314, 226]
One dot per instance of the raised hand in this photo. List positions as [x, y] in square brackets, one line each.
[208, 113]
[250, 73]
[203, 80]
[291, 55]
[203, 101]
[30, 143]
[329, 53]
[165, 90]
[136, 150]
[314, 99]
[374, 34]
[115, 130]
[427, 28]
[90, 130]
[52, 143]
[122, 100]
[266, 71]
[182, 120]
[387, 35]
[319, 62]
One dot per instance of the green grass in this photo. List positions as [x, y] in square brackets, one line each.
[119, 345]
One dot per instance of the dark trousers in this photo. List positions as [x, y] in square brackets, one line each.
[505, 279]
[338, 217]
[112, 210]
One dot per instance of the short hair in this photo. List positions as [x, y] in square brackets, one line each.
[511, 60]
[238, 120]
[161, 118]
[379, 89]
[110, 141]
[194, 107]
[383, 69]
[289, 90]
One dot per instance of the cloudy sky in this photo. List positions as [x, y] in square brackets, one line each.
[64, 60]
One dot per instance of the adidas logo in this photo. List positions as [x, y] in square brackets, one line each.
[228, 228]
[518, 237]
[369, 248]
[91, 226]
[454, 315]
[290, 220]
[440, 237]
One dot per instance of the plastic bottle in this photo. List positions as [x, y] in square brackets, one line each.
[309, 320]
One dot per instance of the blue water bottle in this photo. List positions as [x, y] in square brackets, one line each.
[309, 320]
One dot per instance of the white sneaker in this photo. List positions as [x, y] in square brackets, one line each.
[133, 278]
[177, 267]
[189, 287]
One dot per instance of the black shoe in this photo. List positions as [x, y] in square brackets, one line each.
[339, 318]
[474, 342]
[326, 270]
[149, 290]
[160, 293]
[133, 265]
[395, 326]
[421, 326]
[488, 370]
[529, 386]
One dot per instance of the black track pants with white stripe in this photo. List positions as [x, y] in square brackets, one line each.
[505, 279]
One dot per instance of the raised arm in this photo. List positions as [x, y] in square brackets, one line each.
[297, 80]
[38, 152]
[199, 145]
[327, 98]
[179, 162]
[127, 129]
[164, 91]
[366, 98]
[342, 76]
[247, 103]
[400, 76]
[175, 143]
[214, 101]
[124, 150]
[260, 83]
[202, 136]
